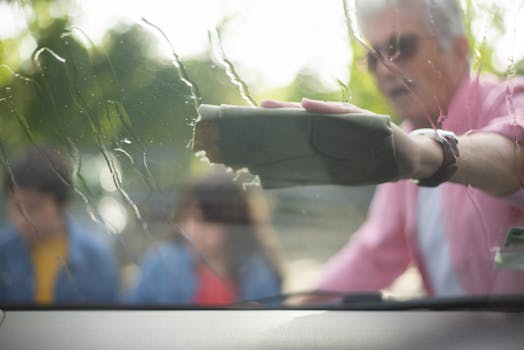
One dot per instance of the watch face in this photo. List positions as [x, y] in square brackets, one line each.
[448, 141]
[437, 134]
[448, 134]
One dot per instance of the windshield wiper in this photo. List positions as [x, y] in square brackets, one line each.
[319, 297]
[327, 300]
[457, 303]
[334, 301]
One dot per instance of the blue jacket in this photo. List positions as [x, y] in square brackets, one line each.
[90, 276]
[168, 276]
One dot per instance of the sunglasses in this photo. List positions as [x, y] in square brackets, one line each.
[399, 49]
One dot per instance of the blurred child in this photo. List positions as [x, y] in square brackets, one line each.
[44, 256]
[221, 251]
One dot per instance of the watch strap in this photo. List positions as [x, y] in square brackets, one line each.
[449, 144]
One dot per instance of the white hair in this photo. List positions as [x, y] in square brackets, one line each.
[443, 17]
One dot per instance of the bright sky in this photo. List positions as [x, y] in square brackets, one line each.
[272, 39]
[268, 40]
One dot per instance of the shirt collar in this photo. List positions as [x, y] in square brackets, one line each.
[462, 110]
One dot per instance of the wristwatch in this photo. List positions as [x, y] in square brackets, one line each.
[449, 143]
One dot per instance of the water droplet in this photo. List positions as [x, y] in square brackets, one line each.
[201, 155]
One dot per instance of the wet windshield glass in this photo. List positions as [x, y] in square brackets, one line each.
[109, 197]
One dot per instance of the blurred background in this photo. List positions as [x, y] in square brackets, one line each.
[117, 84]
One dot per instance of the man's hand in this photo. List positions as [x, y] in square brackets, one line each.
[316, 106]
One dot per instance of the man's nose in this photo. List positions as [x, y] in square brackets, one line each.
[385, 69]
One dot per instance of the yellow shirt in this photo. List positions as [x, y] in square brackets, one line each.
[48, 257]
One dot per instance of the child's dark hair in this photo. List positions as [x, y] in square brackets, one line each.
[42, 169]
[221, 200]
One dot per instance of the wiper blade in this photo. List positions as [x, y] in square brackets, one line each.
[320, 297]
[367, 301]
[456, 303]
[471, 303]
[363, 298]
[328, 300]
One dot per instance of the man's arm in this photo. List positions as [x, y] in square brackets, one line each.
[488, 161]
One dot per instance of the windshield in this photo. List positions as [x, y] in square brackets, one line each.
[129, 179]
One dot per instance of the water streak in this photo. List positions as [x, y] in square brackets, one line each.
[345, 91]
[25, 126]
[182, 72]
[80, 102]
[125, 153]
[87, 197]
[124, 118]
[216, 42]
[69, 34]
[41, 50]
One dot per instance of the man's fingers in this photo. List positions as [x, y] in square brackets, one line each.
[331, 107]
[316, 106]
[279, 104]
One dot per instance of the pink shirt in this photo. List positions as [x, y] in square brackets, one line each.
[475, 222]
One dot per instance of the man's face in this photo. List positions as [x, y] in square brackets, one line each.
[423, 76]
[35, 214]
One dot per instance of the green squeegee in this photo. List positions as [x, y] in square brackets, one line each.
[293, 147]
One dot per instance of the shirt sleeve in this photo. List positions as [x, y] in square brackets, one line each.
[510, 123]
[511, 126]
[378, 253]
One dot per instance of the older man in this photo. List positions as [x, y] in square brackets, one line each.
[469, 193]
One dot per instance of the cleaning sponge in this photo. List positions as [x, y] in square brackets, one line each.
[293, 147]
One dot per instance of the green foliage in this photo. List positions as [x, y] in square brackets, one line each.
[481, 51]
[115, 95]
[363, 91]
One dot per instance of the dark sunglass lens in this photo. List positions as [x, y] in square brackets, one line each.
[407, 47]
[399, 48]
